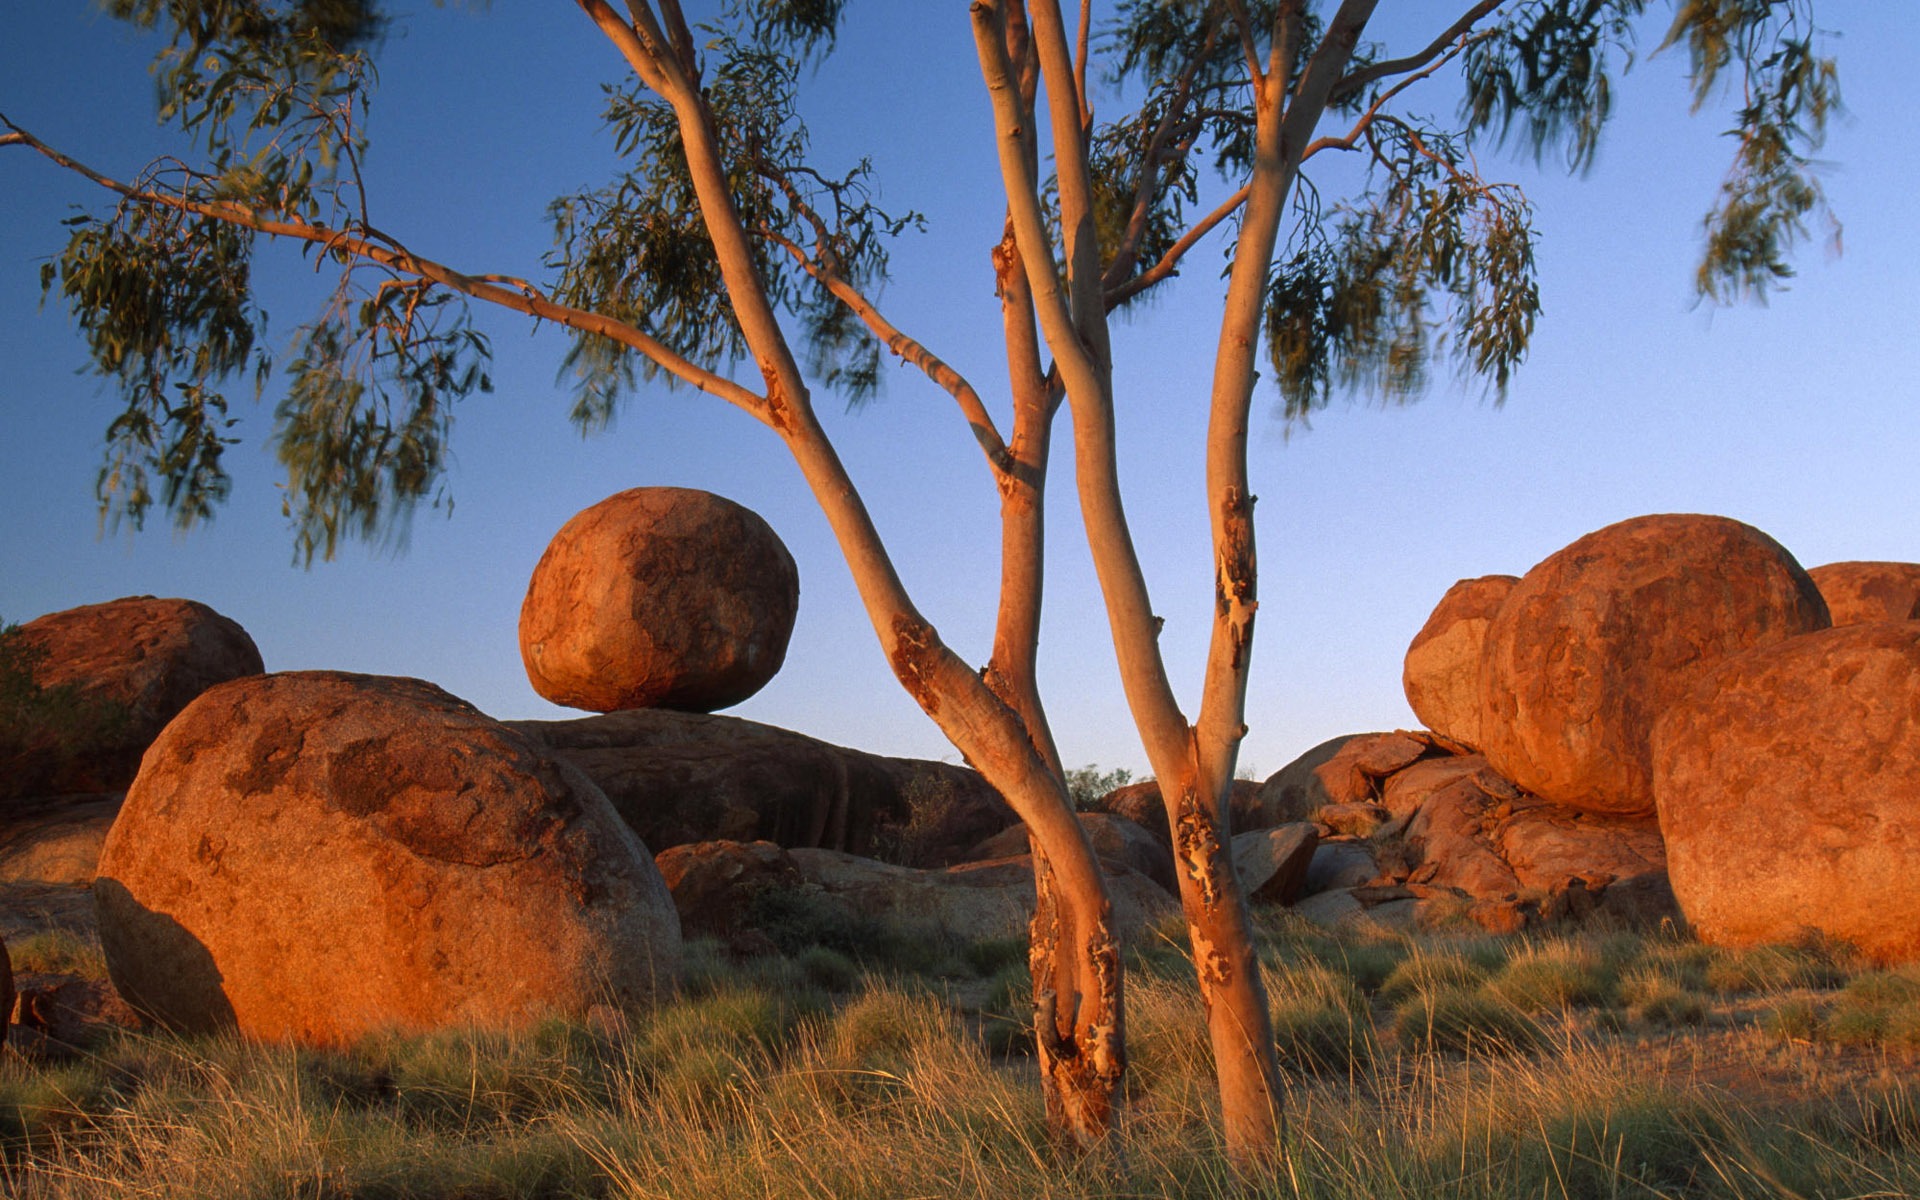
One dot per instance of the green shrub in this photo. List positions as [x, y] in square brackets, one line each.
[1430, 973]
[1463, 1022]
[1551, 977]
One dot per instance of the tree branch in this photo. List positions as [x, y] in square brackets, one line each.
[1373, 110]
[1170, 261]
[1356, 80]
[504, 291]
[909, 349]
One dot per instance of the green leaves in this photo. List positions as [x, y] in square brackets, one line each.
[638, 250]
[1788, 93]
[363, 429]
[1433, 260]
[164, 303]
[1547, 74]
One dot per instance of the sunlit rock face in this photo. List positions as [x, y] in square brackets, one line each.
[133, 663]
[1442, 673]
[1788, 785]
[1861, 592]
[659, 598]
[315, 856]
[1597, 641]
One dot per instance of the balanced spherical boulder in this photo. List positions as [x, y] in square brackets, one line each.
[108, 678]
[1594, 644]
[1442, 673]
[1789, 791]
[659, 598]
[317, 856]
[1861, 592]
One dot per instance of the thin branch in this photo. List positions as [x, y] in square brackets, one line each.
[905, 347]
[1084, 40]
[501, 290]
[1150, 167]
[1170, 261]
[1356, 80]
[1244, 25]
[1373, 110]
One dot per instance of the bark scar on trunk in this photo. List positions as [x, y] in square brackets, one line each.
[1197, 839]
[914, 657]
[779, 405]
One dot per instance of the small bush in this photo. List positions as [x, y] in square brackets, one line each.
[1321, 1023]
[1431, 973]
[1463, 1022]
[1551, 977]
[1774, 969]
[1652, 998]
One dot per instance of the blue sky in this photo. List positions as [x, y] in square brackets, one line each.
[1797, 417]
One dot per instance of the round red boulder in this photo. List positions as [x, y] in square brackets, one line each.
[1789, 792]
[1442, 673]
[121, 670]
[659, 598]
[315, 856]
[1596, 642]
[1860, 592]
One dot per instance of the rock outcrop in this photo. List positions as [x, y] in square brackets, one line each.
[1343, 770]
[1597, 641]
[659, 598]
[969, 902]
[1446, 838]
[688, 777]
[1114, 838]
[1272, 863]
[1789, 792]
[1859, 593]
[55, 840]
[315, 856]
[715, 885]
[1142, 804]
[120, 671]
[1442, 673]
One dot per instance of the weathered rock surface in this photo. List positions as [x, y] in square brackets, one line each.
[60, 1013]
[1343, 770]
[1860, 593]
[969, 902]
[1114, 838]
[1789, 792]
[315, 856]
[1142, 804]
[129, 666]
[1596, 642]
[715, 884]
[1442, 673]
[1272, 863]
[687, 777]
[659, 598]
[55, 840]
[6, 991]
[1339, 865]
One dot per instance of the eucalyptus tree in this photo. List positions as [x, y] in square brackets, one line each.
[720, 245]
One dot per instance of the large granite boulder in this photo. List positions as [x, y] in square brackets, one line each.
[1789, 792]
[1442, 673]
[110, 677]
[316, 856]
[1596, 642]
[659, 598]
[1272, 863]
[1863, 592]
[690, 777]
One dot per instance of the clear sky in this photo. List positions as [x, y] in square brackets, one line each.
[1798, 417]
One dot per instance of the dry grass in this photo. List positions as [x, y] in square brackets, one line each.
[1569, 1067]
